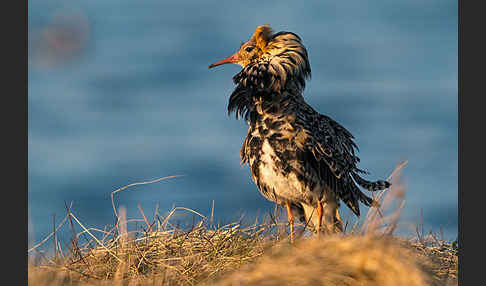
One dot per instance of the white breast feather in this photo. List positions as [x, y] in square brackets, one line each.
[288, 186]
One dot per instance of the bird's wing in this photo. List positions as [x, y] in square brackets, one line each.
[333, 144]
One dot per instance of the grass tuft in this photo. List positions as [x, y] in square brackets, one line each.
[161, 253]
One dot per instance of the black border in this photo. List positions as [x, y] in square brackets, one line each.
[14, 133]
[471, 128]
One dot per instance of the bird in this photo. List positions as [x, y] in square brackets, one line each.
[298, 158]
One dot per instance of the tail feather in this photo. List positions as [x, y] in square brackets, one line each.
[371, 186]
[354, 195]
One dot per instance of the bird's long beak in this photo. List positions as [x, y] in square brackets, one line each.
[229, 60]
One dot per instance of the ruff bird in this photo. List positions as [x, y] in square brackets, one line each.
[298, 158]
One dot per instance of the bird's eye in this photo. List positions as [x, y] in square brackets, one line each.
[248, 49]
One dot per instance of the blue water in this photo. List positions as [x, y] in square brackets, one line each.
[134, 101]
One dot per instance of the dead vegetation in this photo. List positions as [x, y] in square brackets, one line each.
[160, 253]
[335, 260]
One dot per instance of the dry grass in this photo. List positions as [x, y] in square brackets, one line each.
[336, 260]
[161, 253]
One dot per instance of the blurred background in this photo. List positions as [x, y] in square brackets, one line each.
[119, 92]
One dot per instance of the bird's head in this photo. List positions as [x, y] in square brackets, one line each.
[271, 62]
[250, 51]
[281, 56]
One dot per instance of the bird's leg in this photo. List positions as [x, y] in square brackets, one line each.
[331, 217]
[319, 218]
[291, 221]
[339, 222]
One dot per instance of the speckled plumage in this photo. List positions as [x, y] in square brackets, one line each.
[296, 155]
